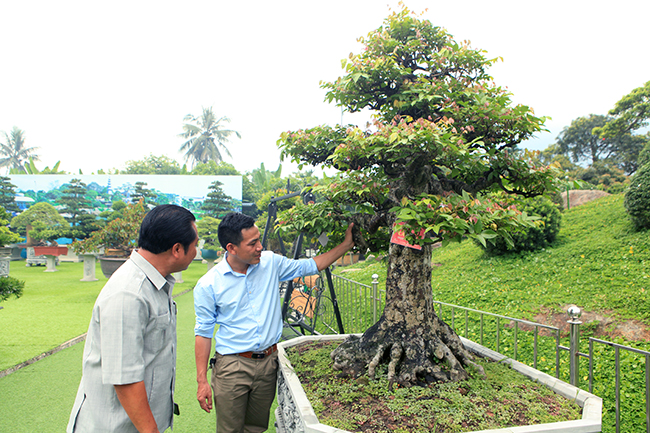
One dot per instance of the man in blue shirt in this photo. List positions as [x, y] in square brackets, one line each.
[241, 295]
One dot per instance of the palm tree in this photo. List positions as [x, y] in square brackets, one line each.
[14, 151]
[205, 136]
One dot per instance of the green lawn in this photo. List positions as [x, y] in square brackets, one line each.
[56, 307]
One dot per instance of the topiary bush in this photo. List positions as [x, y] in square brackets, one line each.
[637, 198]
[535, 238]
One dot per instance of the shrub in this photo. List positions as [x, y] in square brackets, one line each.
[637, 198]
[535, 238]
[10, 286]
[644, 155]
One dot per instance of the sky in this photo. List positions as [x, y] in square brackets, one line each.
[96, 84]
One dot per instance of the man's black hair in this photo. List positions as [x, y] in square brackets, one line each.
[229, 231]
[164, 226]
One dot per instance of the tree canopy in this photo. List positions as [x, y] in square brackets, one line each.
[218, 203]
[443, 135]
[76, 207]
[630, 113]
[583, 143]
[45, 222]
[13, 151]
[442, 128]
[153, 164]
[206, 137]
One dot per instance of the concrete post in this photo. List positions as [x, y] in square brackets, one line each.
[50, 263]
[89, 267]
[574, 346]
[375, 299]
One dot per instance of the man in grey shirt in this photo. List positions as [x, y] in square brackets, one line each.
[129, 360]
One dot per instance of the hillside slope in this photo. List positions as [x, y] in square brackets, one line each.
[598, 263]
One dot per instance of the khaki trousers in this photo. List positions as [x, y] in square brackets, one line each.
[244, 390]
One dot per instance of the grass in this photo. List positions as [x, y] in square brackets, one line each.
[504, 399]
[55, 307]
[58, 306]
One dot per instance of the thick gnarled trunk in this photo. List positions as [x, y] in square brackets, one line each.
[418, 346]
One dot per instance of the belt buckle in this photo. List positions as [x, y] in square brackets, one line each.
[258, 355]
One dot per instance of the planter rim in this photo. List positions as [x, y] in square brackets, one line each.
[50, 250]
[110, 258]
[592, 405]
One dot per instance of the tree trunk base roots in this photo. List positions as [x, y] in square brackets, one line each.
[419, 356]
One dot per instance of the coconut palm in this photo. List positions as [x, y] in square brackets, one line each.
[206, 137]
[14, 151]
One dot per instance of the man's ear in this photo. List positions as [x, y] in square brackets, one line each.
[230, 248]
[178, 249]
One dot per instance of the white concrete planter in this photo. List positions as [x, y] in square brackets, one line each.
[296, 415]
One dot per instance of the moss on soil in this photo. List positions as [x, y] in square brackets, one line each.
[505, 399]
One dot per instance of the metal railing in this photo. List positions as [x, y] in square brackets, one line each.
[361, 304]
[516, 331]
[575, 354]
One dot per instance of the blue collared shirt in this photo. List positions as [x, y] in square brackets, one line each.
[247, 307]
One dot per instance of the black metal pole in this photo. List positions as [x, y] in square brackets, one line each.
[335, 301]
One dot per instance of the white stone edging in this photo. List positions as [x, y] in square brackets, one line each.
[295, 413]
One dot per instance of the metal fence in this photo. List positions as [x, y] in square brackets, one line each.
[626, 407]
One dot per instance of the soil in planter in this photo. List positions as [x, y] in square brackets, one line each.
[505, 399]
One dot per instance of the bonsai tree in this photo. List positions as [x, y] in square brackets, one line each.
[207, 228]
[120, 234]
[6, 235]
[443, 133]
[41, 222]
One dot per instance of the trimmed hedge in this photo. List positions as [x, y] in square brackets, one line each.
[534, 238]
[637, 198]
[644, 155]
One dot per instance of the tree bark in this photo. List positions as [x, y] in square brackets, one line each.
[409, 336]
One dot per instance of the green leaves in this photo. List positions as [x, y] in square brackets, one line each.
[449, 219]
[441, 135]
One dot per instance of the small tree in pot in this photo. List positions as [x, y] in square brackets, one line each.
[207, 228]
[41, 224]
[118, 237]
